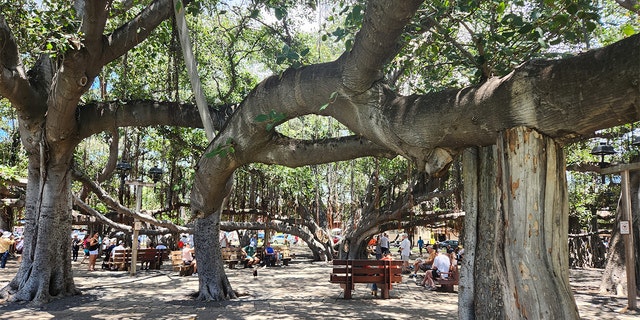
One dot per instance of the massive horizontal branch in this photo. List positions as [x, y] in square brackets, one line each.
[295, 153]
[103, 116]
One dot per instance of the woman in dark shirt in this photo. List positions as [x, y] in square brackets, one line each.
[94, 245]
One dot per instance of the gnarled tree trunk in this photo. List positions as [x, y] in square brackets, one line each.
[520, 261]
[45, 270]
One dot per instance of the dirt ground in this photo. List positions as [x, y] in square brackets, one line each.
[298, 291]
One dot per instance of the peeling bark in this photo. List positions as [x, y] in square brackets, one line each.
[521, 259]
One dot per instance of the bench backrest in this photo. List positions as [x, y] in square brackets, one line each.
[176, 258]
[284, 250]
[231, 254]
[121, 256]
[367, 271]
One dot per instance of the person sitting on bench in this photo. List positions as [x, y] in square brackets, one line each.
[439, 270]
[270, 255]
[249, 257]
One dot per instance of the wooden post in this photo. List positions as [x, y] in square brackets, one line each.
[628, 243]
[136, 223]
[136, 229]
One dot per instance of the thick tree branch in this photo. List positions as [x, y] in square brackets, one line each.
[136, 30]
[104, 116]
[377, 42]
[631, 5]
[94, 18]
[14, 84]
[295, 153]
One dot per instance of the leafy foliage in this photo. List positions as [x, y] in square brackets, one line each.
[272, 119]
[223, 149]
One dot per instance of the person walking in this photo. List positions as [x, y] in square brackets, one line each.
[420, 244]
[85, 247]
[5, 244]
[384, 243]
[405, 253]
[75, 247]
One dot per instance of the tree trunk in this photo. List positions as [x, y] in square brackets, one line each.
[45, 271]
[521, 265]
[614, 279]
[214, 284]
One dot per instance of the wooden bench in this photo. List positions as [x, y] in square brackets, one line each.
[151, 258]
[231, 256]
[119, 260]
[285, 254]
[452, 279]
[178, 265]
[381, 272]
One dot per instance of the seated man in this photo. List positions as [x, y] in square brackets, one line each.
[424, 264]
[115, 249]
[249, 256]
[270, 255]
[439, 270]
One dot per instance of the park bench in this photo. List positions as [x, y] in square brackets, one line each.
[452, 279]
[178, 265]
[285, 254]
[119, 260]
[149, 258]
[232, 256]
[381, 272]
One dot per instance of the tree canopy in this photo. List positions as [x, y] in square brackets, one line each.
[420, 80]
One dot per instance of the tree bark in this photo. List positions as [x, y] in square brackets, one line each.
[214, 284]
[45, 271]
[614, 280]
[521, 264]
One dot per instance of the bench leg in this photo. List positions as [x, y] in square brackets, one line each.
[347, 292]
[385, 291]
[447, 287]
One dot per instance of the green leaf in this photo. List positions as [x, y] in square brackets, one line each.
[628, 30]
[501, 7]
[261, 118]
[324, 106]
[280, 13]
[572, 8]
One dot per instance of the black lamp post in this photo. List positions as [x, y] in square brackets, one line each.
[155, 173]
[602, 149]
[123, 169]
